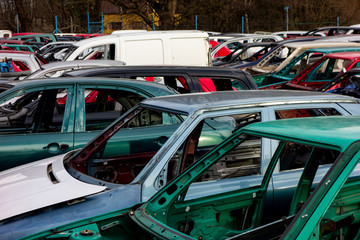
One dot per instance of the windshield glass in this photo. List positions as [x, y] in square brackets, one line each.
[122, 150]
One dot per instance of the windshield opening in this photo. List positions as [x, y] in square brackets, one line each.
[121, 151]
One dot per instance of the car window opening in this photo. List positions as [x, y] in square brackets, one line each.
[117, 156]
[233, 210]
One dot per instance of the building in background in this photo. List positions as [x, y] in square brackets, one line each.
[116, 19]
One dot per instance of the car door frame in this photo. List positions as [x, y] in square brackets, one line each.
[80, 125]
[67, 122]
[148, 179]
[278, 178]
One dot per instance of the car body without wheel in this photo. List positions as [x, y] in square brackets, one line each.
[184, 79]
[314, 210]
[308, 72]
[146, 148]
[43, 118]
[287, 52]
[52, 127]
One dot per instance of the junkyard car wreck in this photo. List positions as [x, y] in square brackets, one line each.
[149, 146]
[315, 207]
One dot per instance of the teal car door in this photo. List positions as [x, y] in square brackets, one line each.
[35, 123]
[98, 106]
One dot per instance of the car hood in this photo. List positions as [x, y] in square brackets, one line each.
[39, 184]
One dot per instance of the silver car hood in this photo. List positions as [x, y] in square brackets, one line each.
[39, 184]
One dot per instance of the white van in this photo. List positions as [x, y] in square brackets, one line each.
[189, 48]
[127, 31]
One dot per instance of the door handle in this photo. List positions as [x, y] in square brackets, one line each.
[55, 148]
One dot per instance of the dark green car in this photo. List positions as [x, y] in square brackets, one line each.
[326, 208]
[43, 118]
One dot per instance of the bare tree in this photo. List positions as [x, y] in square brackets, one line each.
[212, 15]
[8, 15]
[24, 8]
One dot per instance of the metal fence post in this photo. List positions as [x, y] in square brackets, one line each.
[56, 28]
[102, 22]
[287, 17]
[17, 23]
[195, 22]
[242, 24]
[88, 18]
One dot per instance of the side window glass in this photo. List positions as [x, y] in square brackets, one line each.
[206, 135]
[103, 106]
[152, 118]
[244, 160]
[34, 112]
